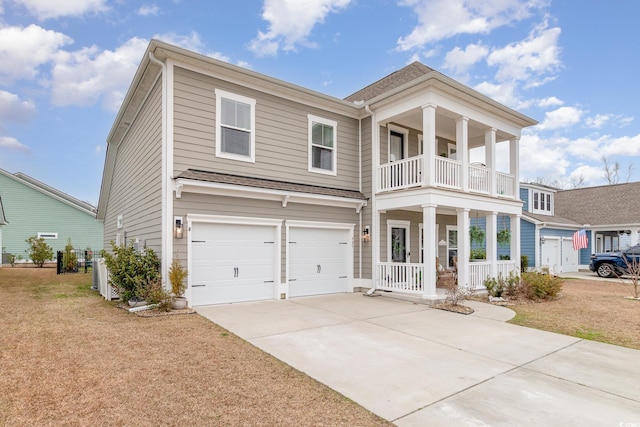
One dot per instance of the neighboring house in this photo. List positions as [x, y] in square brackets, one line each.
[3, 221]
[267, 190]
[608, 213]
[32, 208]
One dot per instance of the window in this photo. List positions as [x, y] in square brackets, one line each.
[322, 145]
[235, 121]
[540, 202]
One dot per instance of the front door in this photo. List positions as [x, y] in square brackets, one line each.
[399, 241]
[396, 146]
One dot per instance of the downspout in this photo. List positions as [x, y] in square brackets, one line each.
[375, 226]
[359, 237]
[166, 236]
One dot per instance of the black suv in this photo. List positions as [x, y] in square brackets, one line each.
[615, 264]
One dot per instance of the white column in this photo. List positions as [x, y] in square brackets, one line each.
[514, 165]
[462, 147]
[490, 158]
[492, 242]
[429, 141]
[430, 252]
[515, 240]
[464, 247]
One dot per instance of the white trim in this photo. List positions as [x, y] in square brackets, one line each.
[119, 221]
[334, 150]
[451, 147]
[405, 140]
[252, 131]
[452, 228]
[231, 190]
[539, 211]
[394, 223]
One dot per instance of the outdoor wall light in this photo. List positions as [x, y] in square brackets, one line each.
[442, 243]
[366, 235]
[178, 227]
[541, 239]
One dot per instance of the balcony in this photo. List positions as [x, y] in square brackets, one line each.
[411, 173]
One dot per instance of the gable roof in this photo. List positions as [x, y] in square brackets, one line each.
[3, 219]
[396, 79]
[603, 205]
[50, 191]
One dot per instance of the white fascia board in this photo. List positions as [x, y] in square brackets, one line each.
[230, 190]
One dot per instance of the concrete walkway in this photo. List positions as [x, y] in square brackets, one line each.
[416, 366]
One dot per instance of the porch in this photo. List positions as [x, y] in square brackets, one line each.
[408, 278]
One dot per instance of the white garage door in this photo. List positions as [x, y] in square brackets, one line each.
[550, 255]
[569, 256]
[232, 263]
[319, 260]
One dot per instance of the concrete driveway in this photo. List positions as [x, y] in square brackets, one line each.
[417, 366]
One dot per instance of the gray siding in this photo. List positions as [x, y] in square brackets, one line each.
[281, 135]
[524, 196]
[236, 206]
[136, 189]
[367, 190]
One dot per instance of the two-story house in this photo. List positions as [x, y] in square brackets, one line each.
[267, 190]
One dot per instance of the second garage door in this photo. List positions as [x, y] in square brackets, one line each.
[320, 260]
[232, 263]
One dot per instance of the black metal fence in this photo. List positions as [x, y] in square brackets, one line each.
[74, 261]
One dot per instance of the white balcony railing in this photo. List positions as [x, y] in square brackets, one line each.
[401, 277]
[505, 184]
[506, 267]
[410, 172]
[478, 273]
[448, 173]
[404, 173]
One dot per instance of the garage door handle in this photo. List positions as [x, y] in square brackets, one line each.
[319, 269]
[197, 286]
[343, 277]
[268, 281]
[292, 280]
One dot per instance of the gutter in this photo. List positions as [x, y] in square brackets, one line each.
[375, 226]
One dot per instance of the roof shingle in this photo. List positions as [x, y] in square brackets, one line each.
[396, 79]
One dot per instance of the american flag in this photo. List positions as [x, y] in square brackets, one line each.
[580, 240]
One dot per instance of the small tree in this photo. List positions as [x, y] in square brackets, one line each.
[633, 272]
[40, 252]
[132, 272]
[69, 257]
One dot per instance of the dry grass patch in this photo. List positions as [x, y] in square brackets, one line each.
[589, 309]
[67, 357]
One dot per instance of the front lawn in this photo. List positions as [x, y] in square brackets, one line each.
[589, 309]
[67, 357]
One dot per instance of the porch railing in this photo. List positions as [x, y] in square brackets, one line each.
[448, 172]
[506, 267]
[479, 179]
[402, 277]
[478, 272]
[505, 184]
[404, 173]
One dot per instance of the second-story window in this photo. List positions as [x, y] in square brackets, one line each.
[541, 202]
[322, 145]
[235, 122]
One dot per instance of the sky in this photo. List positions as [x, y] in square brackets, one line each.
[66, 65]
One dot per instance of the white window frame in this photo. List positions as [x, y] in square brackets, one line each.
[546, 211]
[119, 221]
[449, 229]
[405, 140]
[252, 132]
[334, 150]
[399, 224]
[47, 236]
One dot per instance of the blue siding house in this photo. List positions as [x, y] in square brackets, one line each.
[551, 217]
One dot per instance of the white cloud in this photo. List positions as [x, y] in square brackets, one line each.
[551, 101]
[24, 49]
[46, 9]
[628, 146]
[13, 109]
[598, 121]
[90, 75]
[291, 23]
[439, 20]
[592, 175]
[544, 157]
[13, 144]
[190, 41]
[561, 118]
[148, 10]
[504, 93]
[530, 60]
[459, 60]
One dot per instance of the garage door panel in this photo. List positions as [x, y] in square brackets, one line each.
[319, 261]
[232, 263]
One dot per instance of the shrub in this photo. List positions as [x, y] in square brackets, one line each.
[131, 272]
[40, 252]
[177, 274]
[69, 258]
[524, 263]
[541, 285]
[496, 287]
[155, 294]
[478, 254]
